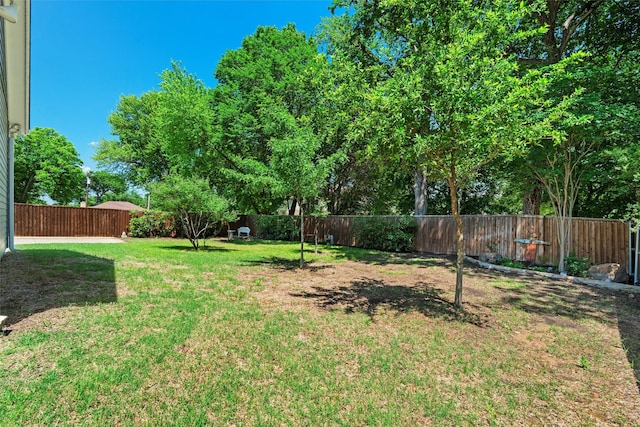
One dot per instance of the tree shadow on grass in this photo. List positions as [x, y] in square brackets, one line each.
[36, 280]
[628, 313]
[554, 301]
[280, 263]
[552, 298]
[376, 257]
[369, 296]
[221, 244]
[189, 248]
[255, 241]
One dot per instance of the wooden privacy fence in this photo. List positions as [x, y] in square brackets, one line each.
[42, 220]
[601, 240]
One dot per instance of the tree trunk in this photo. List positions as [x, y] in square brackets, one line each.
[531, 200]
[190, 231]
[420, 188]
[25, 191]
[563, 188]
[564, 212]
[562, 240]
[453, 190]
[292, 209]
[301, 237]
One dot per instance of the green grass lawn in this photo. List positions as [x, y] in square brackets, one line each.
[153, 333]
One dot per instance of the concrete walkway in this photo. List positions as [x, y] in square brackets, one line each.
[45, 240]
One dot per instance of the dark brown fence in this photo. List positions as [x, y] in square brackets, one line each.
[600, 240]
[41, 220]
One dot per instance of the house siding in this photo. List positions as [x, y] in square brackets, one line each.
[4, 146]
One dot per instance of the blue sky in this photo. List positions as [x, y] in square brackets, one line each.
[85, 54]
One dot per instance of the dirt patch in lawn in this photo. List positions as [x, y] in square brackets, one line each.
[580, 346]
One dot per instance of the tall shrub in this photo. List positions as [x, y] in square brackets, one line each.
[385, 234]
[152, 224]
[272, 227]
[191, 201]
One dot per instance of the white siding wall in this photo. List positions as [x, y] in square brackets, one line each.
[4, 144]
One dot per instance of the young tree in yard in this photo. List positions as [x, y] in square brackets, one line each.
[298, 171]
[47, 164]
[601, 114]
[453, 99]
[193, 203]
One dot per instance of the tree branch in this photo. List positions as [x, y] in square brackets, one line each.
[570, 26]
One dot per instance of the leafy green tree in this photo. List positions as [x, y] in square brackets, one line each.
[104, 184]
[613, 30]
[224, 134]
[131, 195]
[298, 171]
[138, 153]
[599, 128]
[47, 164]
[607, 30]
[262, 85]
[183, 122]
[453, 99]
[612, 184]
[198, 208]
[365, 182]
[562, 27]
[596, 117]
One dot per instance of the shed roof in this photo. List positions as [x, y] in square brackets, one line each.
[123, 206]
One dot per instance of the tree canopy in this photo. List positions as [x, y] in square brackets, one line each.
[266, 92]
[450, 99]
[137, 154]
[47, 165]
[407, 107]
[105, 185]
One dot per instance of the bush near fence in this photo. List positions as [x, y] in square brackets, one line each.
[278, 227]
[152, 224]
[394, 234]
